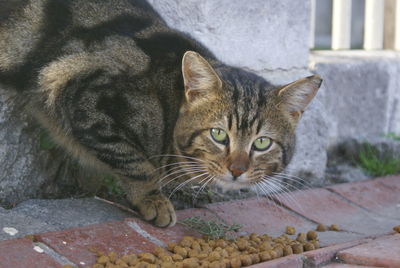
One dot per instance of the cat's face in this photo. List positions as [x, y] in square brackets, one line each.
[234, 129]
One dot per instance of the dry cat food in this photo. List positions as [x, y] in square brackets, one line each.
[192, 252]
[334, 227]
[321, 228]
[290, 230]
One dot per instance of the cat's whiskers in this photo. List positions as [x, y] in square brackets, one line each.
[301, 181]
[265, 189]
[287, 188]
[197, 160]
[254, 188]
[185, 171]
[277, 188]
[285, 192]
[273, 189]
[294, 178]
[182, 166]
[209, 179]
[292, 200]
[279, 180]
[176, 169]
[173, 164]
[180, 156]
[186, 182]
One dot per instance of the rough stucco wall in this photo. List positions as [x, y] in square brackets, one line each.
[20, 174]
[258, 35]
[27, 169]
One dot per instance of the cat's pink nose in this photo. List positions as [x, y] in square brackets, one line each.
[237, 170]
[239, 164]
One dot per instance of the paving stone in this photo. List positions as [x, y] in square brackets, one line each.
[22, 224]
[259, 216]
[20, 253]
[68, 213]
[293, 261]
[38, 216]
[378, 195]
[384, 251]
[315, 258]
[76, 244]
[323, 206]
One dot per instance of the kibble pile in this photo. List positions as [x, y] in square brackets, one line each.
[193, 252]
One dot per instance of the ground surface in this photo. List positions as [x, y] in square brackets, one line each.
[66, 229]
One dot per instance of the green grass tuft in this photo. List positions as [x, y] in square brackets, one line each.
[212, 229]
[370, 161]
[112, 186]
[393, 136]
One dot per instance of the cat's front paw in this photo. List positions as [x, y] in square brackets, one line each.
[157, 208]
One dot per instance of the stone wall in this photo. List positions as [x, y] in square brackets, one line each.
[361, 97]
[361, 92]
[29, 168]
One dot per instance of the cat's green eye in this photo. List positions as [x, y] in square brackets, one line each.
[262, 144]
[219, 135]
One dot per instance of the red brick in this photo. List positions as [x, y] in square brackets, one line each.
[383, 251]
[19, 253]
[379, 195]
[75, 244]
[323, 206]
[320, 256]
[293, 261]
[259, 216]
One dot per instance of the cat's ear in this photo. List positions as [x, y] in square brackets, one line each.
[200, 79]
[295, 97]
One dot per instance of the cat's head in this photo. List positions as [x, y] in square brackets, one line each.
[234, 128]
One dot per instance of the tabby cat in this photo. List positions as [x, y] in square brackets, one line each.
[126, 94]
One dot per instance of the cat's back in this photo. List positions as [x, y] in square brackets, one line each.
[35, 33]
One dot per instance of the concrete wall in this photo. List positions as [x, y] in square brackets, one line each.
[361, 92]
[258, 35]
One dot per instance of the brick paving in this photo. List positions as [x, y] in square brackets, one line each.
[381, 252]
[365, 211]
[21, 253]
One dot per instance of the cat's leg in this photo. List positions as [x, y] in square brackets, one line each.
[150, 202]
[138, 177]
[140, 181]
[115, 127]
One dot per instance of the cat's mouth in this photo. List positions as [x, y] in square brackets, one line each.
[233, 183]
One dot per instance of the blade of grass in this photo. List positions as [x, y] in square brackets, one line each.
[212, 229]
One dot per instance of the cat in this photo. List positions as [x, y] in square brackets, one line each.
[124, 93]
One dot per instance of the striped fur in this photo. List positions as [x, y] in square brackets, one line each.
[105, 77]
